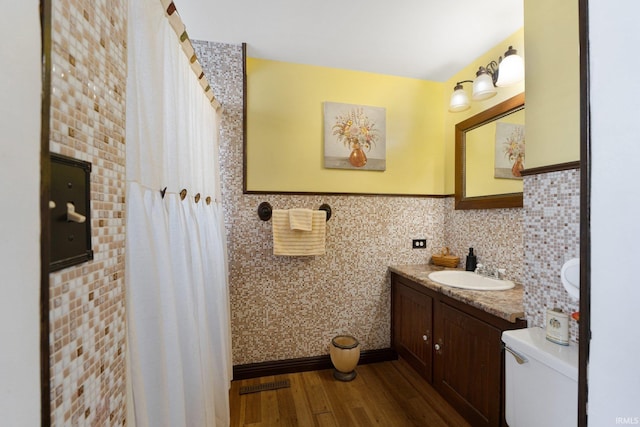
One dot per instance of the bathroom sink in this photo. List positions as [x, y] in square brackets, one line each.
[469, 280]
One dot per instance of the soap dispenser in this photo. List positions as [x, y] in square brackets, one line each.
[471, 261]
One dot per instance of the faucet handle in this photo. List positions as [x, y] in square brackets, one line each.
[501, 273]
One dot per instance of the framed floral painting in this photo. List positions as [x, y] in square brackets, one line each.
[509, 152]
[354, 137]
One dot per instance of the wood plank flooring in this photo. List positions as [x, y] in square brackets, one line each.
[383, 394]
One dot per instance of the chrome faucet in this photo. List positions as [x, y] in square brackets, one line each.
[483, 270]
[495, 273]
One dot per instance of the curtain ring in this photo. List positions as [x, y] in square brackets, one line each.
[183, 194]
[208, 200]
[197, 197]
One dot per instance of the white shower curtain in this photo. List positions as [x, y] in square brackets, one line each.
[177, 299]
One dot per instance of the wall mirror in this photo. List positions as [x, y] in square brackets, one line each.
[489, 156]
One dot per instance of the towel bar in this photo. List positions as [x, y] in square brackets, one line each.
[265, 210]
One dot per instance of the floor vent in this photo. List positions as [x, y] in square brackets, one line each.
[264, 387]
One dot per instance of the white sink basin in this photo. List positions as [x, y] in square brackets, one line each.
[469, 280]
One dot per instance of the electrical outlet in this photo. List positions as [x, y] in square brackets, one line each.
[419, 244]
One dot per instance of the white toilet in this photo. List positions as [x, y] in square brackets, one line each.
[541, 380]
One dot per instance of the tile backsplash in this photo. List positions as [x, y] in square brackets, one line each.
[494, 234]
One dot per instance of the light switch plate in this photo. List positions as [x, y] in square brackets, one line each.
[70, 183]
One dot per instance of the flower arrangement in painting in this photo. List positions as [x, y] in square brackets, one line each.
[514, 145]
[514, 148]
[355, 130]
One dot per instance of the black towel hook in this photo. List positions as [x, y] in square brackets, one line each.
[325, 207]
[265, 211]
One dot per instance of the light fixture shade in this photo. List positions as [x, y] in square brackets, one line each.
[511, 70]
[483, 87]
[459, 100]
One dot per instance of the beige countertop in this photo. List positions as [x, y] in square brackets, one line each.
[504, 304]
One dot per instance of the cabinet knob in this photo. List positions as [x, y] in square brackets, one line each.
[437, 347]
[425, 338]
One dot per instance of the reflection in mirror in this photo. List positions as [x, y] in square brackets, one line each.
[490, 156]
[494, 156]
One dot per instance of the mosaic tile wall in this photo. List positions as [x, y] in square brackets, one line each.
[87, 306]
[552, 237]
[494, 234]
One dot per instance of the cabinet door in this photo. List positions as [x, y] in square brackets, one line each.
[467, 365]
[412, 326]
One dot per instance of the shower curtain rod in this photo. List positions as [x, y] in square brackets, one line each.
[181, 31]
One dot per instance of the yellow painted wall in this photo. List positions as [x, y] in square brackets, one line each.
[553, 82]
[284, 133]
[480, 160]
[469, 73]
[285, 148]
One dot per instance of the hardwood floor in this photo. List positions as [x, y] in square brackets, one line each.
[383, 394]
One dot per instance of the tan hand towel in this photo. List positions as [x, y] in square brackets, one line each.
[300, 219]
[297, 242]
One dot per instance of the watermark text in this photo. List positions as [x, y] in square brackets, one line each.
[627, 420]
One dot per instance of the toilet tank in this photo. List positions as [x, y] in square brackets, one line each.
[543, 389]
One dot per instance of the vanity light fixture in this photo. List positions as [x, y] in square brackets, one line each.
[503, 73]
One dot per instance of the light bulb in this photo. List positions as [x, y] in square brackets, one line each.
[459, 100]
[483, 87]
[511, 69]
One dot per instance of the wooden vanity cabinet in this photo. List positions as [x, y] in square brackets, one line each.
[462, 356]
[412, 319]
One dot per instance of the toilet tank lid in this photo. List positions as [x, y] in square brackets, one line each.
[532, 343]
